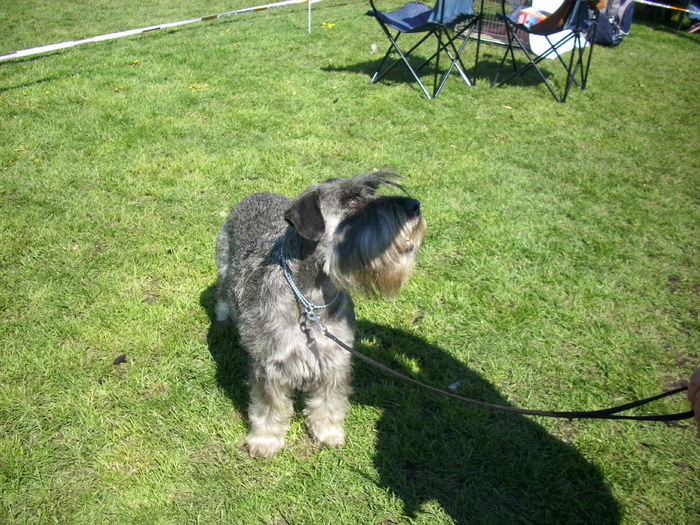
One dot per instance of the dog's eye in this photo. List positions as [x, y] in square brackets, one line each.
[352, 203]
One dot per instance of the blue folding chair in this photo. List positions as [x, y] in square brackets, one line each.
[447, 21]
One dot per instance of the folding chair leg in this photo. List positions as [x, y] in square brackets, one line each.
[456, 54]
[455, 59]
[376, 76]
[571, 73]
[395, 47]
[480, 26]
[509, 48]
[590, 52]
[532, 63]
[553, 49]
[438, 34]
[583, 63]
[511, 37]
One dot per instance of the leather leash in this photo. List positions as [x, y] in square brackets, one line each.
[607, 413]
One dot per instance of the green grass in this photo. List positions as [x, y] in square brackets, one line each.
[560, 271]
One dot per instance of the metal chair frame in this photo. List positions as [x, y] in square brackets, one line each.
[571, 15]
[445, 36]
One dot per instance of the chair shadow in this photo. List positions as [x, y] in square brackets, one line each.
[399, 74]
[480, 466]
[483, 74]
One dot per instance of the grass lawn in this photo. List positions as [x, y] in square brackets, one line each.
[560, 271]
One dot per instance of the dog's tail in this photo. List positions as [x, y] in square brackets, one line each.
[223, 310]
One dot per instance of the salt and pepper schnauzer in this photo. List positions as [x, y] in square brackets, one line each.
[286, 269]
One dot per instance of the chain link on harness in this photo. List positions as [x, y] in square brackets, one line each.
[309, 307]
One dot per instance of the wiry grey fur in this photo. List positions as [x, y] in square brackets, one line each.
[337, 236]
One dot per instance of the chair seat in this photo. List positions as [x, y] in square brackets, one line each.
[543, 27]
[407, 19]
[515, 15]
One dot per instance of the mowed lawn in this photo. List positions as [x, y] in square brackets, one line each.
[560, 271]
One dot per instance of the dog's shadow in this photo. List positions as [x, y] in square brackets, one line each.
[480, 466]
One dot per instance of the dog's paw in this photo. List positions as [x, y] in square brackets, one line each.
[263, 446]
[332, 437]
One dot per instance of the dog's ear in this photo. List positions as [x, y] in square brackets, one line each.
[304, 215]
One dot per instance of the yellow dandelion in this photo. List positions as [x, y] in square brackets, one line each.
[196, 88]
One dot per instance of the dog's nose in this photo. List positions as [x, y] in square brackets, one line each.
[412, 207]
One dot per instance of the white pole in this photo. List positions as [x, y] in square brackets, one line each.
[111, 36]
[309, 16]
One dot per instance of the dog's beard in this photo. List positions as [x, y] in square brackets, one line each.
[379, 259]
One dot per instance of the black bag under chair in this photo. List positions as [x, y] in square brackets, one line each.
[571, 24]
[448, 21]
[614, 22]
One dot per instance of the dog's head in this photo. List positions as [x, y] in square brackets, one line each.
[368, 242]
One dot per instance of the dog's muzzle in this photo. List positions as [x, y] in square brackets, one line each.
[414, 234]
[411, 207]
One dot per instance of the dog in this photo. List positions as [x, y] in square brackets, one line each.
[286, 269]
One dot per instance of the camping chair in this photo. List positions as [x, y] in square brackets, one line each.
[448, 21]
[567, 27]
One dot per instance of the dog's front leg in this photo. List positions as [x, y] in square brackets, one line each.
[269, 413]
[325, 411]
